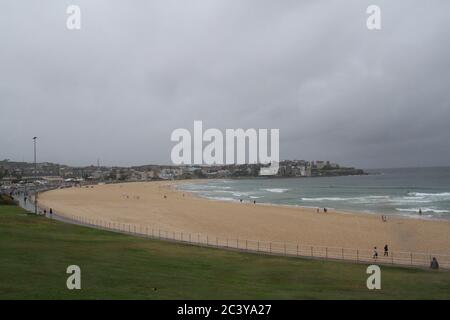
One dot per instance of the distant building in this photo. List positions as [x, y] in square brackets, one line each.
[320, 164]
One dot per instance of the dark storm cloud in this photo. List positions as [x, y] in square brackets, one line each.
[116, 89]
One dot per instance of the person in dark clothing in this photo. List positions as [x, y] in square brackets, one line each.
[386, 251]
[434, 264]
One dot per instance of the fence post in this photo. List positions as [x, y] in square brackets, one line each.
[297, 249]
[411, 259]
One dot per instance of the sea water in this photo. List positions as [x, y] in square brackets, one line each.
[383, 191]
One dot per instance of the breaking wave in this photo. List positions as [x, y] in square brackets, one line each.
[423, 210]
[276, 190]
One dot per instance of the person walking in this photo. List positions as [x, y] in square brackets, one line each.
[375, 253]
[386, 250]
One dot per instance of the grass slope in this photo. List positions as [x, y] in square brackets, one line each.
[35, 252]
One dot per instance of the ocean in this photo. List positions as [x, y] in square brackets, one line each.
[384, 191]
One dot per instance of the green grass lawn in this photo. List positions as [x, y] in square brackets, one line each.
[35, 252]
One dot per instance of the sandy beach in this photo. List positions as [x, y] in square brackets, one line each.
[160, 205]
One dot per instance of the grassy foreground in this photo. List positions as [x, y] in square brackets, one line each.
[35, 252]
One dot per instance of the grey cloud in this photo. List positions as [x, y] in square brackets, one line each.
[137, 70]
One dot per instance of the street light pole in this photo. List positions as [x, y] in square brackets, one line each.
[35, 177]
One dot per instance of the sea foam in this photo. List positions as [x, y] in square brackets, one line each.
[276, 190]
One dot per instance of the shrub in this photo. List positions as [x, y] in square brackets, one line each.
[7, 200]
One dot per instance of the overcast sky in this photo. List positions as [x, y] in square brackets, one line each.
[137, 70]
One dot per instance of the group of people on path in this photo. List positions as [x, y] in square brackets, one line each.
[375, 252]
[434, 264]
[50, 212]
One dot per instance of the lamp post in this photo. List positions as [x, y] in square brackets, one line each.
[35, 176]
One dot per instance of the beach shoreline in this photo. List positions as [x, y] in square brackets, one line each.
[330, 210]
[162, 205]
